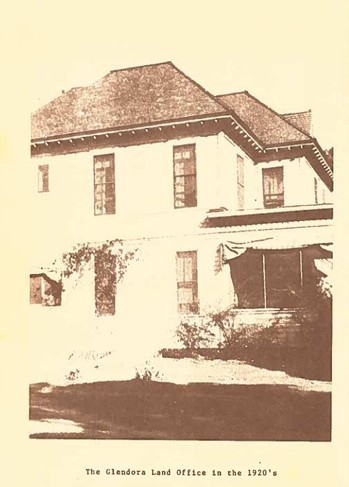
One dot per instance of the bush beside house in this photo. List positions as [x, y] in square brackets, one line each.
[302, 349]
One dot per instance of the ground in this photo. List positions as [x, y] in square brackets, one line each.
[241, 402]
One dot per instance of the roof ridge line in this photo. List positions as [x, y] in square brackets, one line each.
[278, 115]
[213, 97]
[232, 93]
[138, 67]
[296, 113]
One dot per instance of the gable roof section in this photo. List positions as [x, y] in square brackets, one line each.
[300, 120]
[123, 98]
[268, 126]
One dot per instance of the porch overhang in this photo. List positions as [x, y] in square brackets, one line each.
[275, 215]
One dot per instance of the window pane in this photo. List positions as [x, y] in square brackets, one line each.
[247, 275]
[110, 199]
[188, 269]
[187, 290]
[104, 159]
[185, 175]
[180, 269]
[316, 191]
[35, 290]
[189, 167]
[184, 151]
[104, 178]
[100, 176]
[43, 178]
[179, 184]
[190, 200]
[190, 184]
[100, 199]
[105, 284]
[190, 191]
[240, 182]
[240, 170]
[273, 187]
[186, 154]
[185, 295]
[179, 202]
[179, 168]
[283, 278]
[109, 174]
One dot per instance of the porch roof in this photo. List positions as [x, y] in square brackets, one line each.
[263, 215]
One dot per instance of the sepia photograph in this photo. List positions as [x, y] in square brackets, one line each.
[183, 263]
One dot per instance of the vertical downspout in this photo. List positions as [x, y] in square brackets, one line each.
[218, 172]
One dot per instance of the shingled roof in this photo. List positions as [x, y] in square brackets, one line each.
[123, 98]
[301, 120]
[267, 125]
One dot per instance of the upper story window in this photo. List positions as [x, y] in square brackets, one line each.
[320, 195]
[240, 168]
[187, 282]
[43, 179]
[184, 170]
[104, 184]
[273, 187]
[316, 191]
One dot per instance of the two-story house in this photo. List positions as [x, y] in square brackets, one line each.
[218, 201]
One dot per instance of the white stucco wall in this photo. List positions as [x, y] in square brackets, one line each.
[146, 301]
[143, 180]
[144, 190]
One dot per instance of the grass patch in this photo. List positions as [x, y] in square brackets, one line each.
[153, 410]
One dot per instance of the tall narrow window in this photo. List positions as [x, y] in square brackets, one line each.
[316, 191]
[273, 187]
[105, 284]
[104, 184]
[184, 170]
[240, 181]
[43, 179]
[187, 282]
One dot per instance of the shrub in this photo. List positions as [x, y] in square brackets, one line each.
[73, 375]
[224, 321]
[194, 335]
[147, 373]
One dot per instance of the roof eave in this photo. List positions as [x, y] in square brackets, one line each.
[128, 128]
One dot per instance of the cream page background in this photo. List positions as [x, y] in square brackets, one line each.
[293, 55]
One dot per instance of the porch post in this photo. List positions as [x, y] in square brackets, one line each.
[264, 283]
